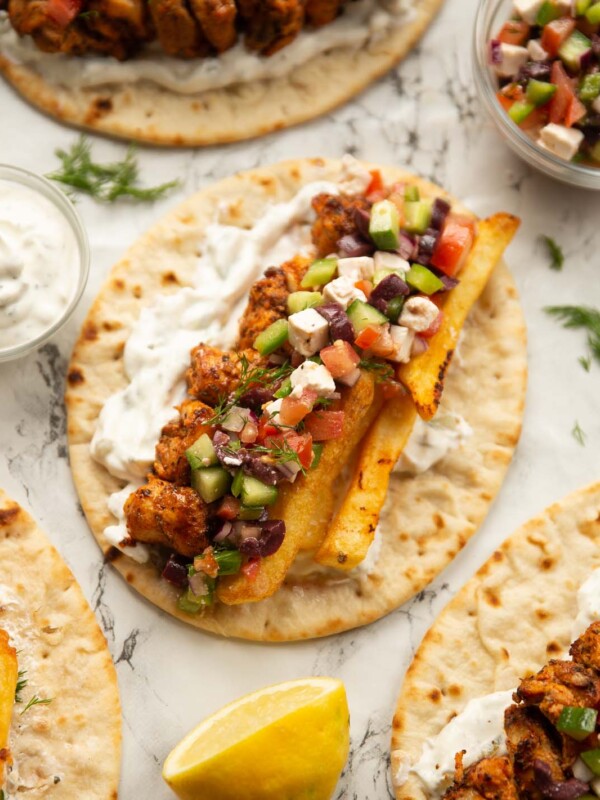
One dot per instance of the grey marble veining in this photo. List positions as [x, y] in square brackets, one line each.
[423, 115]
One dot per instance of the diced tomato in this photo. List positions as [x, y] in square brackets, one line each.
[504, 101]
[376, 184]
[384, 346]
[301, 443]
[229, 508]
[325, 425]
[340, 358]
[63, 11]
[453, 245]
[434, 327]
[565, 92]
[294, 409]
[555, 33]
[365, 286]
[266, 428]
[367, 336]
[575, 111]
[251, 568]
[514, 32]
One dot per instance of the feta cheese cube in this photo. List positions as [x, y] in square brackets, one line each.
[272, 409]
[308, 331]
[355, 178]
[512, 58]
[359, 268]
[342, 291]
[561, 141]
[390, 261]
[351, 378]
[312, 376]
[536, 51]
[403, 340]
[418, 314]
[528, 9]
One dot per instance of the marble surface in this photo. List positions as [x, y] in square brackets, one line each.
[423, 115]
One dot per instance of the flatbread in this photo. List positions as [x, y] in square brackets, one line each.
[428, 518]
[514, 614]
[147, 113]
[70, 747]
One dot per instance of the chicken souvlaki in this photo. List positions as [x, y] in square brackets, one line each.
[336, 348]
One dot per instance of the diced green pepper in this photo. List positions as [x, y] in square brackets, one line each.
[257, 493]
[593, 14]
[411, 194]
[299, 301]
[317, 449]
[362, 315]
[539, 93]
[423, 279]
[581, 6]
[272, 338]
[384, 226]
[590, 87]
[246, 512]
[394, 308]
[236, 486]
[211, 483]
[319, 273]
[192, 604]
[519, 111]
[547, 13]
[577, 722]
[201, 453]
[284, 389]
[417, 216]
[592, 759]
[573, 48]
[229, 561]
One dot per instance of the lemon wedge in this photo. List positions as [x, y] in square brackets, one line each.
[289, 741]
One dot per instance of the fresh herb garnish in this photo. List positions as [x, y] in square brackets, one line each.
[105, 182]
[382, 371]
[21, 684]
[580, 317]
[586, 362]
[257, 376]
[37, 701]
[280, 452]
[555, 253]
[91, 14]
[578, 434]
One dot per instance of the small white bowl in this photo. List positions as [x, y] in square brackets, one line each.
[67, 210]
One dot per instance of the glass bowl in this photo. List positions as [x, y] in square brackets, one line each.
[491, 14]
[67, 211]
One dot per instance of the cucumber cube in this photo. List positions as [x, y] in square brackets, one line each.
[380, 274]
[411, 194]
[417, 216]
[256, 493]
[272, 338]
[519, 111]
[547, 13]
[590, 88]
[581, 6]
[284, 390]
[236, 486]
[201, 453]
[211, 483]
[247, 512]
[539, 93]
[593, 14]
[384, 226]
[423, 279]
[298, 301]
[577, 45]
[362, 315]
[319, 273]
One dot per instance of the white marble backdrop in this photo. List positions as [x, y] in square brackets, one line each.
[424, 115]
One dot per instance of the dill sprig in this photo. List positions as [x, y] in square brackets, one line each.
[280, 452]
[37, 701]
[381, 369]
[582, 317]
[578, 434]
[249, 377]
[555, 253]
[21, 684]
[105, 182]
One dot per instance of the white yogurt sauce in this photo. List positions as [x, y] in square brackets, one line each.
[431, 441]
[39, 264]
[588, 604]
[362, 22]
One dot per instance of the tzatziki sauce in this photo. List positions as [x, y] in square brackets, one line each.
[431, 441]
[39, 264]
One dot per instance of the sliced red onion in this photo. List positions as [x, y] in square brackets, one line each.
[495, 52]
[289, 470]
[556, 790]
[419, 346]
[448, 281]
[362, 220]
[407, 247]
[236, 419]
[339, 322]
[353, 245]
[224, 533]
[197, 584]
[538, 70]
[439, 212]
[175, 571]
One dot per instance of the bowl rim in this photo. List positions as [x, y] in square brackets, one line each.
[524, 145]
[45, 188]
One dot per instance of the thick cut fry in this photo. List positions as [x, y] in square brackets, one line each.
[351, 532]
[424, 375]
[8, 686]
[299, 504]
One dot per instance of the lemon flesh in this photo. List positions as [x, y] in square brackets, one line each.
[288, 741]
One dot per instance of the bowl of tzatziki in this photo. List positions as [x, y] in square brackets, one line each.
[44, 261]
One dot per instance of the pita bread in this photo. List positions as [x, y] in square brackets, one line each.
[428, 518]
[74, 741]
[505, 623]
[146, 112]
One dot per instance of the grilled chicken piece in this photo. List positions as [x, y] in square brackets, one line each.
[528, 740]
[586, 649]
[178, 32]
[271, 24]
[559, 684]
[174, 516]
[322, 12]
[490, 778]
[171, 463]
[217, 18]
[215, 373]
[335, 218]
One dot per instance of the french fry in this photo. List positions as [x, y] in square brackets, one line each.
[8, 685]
[299, 504]
[351, 532]
[424, 375]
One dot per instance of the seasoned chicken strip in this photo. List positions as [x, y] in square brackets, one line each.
[217, 18]
[174, 516]
[528, 740]
[321, 12]
[271, 24]
[171, 463]
[559, 684]
[335, 218]
[215, 373]
[586, 649]
[178, 32]
[490, 778]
